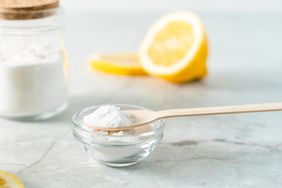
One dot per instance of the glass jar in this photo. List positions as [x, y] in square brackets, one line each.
[117, 149]
[33, 63]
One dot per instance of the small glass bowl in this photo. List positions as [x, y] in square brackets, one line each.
[118, 149]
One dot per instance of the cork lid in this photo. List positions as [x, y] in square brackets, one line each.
[27, 9]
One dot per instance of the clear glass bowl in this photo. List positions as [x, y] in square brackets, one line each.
[118, 149]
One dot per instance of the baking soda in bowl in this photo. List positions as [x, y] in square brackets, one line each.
[115, 148]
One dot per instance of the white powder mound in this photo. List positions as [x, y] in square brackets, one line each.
[108, 117]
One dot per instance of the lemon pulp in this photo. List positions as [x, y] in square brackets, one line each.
[171, 43]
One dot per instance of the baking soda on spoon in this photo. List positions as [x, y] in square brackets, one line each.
[108, 117]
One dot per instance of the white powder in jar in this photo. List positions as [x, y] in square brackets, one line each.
[32, 80]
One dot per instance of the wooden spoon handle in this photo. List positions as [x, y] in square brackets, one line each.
[220, 110]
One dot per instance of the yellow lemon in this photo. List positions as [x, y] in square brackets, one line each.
[8, 180]
[175, 48]
[119, 63]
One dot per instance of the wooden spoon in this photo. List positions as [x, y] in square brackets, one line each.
[146, 116]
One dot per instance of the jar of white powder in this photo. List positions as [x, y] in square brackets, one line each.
[33, 67]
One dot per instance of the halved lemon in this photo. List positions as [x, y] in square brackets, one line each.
[8, 180]
[175, 48]
[119, 63]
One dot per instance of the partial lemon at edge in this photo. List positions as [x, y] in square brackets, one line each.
[8, 180]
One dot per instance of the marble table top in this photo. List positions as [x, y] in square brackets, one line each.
[219, 151]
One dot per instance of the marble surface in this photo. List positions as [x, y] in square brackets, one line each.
[219, 151]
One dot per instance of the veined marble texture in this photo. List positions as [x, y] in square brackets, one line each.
[212, 151]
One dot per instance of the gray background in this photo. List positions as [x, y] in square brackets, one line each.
[221, 151]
